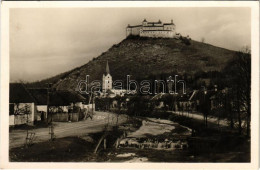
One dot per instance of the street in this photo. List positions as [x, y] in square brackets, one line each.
[65, 129]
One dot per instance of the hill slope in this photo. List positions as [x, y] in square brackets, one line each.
[143, 57]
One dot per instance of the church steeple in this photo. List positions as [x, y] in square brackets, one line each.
[107, 69]
[107, 80]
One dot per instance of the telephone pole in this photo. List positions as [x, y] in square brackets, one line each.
[51, 128]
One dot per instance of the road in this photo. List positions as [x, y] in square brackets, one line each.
[211, 119]
[64, 129]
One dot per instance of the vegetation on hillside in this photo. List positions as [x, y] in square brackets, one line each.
[144, 58]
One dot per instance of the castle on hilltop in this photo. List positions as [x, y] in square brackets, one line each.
[153, 29]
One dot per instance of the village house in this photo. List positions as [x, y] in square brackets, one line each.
[29, 105]
[194, 100]
[40, 96]
[22, 106]
[63, 105]
[183, 103]
[213, 95]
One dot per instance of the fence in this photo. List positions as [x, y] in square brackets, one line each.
[65, 117]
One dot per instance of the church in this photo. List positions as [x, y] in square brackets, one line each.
[153, 29]
[106, 80]
[107, 85]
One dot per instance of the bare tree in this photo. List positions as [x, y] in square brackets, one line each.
[243, 63]
[240, 82]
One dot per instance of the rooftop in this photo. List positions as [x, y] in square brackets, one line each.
[19, 94]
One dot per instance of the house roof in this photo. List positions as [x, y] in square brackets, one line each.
[40, 95]
[71, 96]
[56, 98]
[194, 95]
[19, 94]
[197, 94]
[158, 96]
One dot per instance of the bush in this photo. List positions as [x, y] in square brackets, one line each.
[185, 40]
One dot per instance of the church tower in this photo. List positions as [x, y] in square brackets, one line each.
[107, 80]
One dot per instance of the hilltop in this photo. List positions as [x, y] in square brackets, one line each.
[147, 57]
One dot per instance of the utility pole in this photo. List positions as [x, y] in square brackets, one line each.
[27, 122]
[51, 128]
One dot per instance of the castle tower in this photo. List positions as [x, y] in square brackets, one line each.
[144, 22]
[107, 80]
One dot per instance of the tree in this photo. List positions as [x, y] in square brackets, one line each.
[243, 64]
[204, 105]
[239, 79]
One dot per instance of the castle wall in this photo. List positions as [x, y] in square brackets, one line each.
[169, 27]
[133, 31]
[157, 34]
[153, 28]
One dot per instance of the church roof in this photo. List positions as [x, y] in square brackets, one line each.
[107, 69]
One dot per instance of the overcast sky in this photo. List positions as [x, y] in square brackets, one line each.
[46, 42]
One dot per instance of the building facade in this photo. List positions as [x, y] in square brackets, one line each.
[153, 29]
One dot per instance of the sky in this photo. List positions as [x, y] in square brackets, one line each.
[46, 42]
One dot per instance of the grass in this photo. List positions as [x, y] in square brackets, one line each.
[29, 127]
[69, 149]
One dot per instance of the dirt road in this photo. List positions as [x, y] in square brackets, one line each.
[64, 129]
